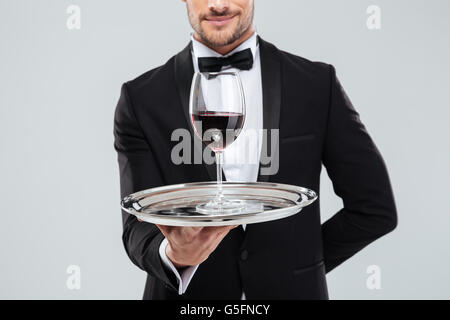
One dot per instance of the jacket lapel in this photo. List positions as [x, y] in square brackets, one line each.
[271, 87]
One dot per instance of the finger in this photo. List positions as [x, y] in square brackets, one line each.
[165, 230]
[194, 230]
[190, 233]
[215, 230]
[215, 237]
[214, 241]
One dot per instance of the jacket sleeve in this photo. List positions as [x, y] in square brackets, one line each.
[359, 177]
[138, 171]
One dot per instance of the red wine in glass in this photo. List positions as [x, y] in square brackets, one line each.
[218, 129]
[217, 110]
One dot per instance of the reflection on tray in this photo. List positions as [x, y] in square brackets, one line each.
[250, 207]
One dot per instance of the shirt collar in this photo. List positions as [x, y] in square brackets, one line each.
[199, 50]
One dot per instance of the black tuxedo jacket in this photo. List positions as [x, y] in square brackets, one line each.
[283, 259]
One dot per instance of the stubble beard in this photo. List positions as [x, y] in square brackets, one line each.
[220, 39]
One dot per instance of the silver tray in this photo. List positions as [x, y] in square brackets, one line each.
[174, 205]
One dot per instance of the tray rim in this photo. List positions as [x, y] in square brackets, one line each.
[221, 220]
[179, 185]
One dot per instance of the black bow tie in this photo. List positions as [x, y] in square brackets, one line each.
[242, 60]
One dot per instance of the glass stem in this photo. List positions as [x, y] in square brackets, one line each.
[219, 195]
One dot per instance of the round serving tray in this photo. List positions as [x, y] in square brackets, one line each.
[174, 205]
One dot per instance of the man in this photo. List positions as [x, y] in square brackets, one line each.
[283, 259]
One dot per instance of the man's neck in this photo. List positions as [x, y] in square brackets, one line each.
[223, 50]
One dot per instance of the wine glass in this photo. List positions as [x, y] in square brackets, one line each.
[217, 110]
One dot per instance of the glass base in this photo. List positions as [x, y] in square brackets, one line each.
[221, 206]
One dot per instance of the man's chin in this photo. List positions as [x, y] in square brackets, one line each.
[219, 38]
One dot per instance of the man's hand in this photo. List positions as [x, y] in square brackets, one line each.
[189, 246]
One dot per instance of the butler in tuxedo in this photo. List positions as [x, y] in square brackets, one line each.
[282, 259]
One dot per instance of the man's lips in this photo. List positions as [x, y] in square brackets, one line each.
[219, 20]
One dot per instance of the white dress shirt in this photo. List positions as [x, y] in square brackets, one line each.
[241, 158]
